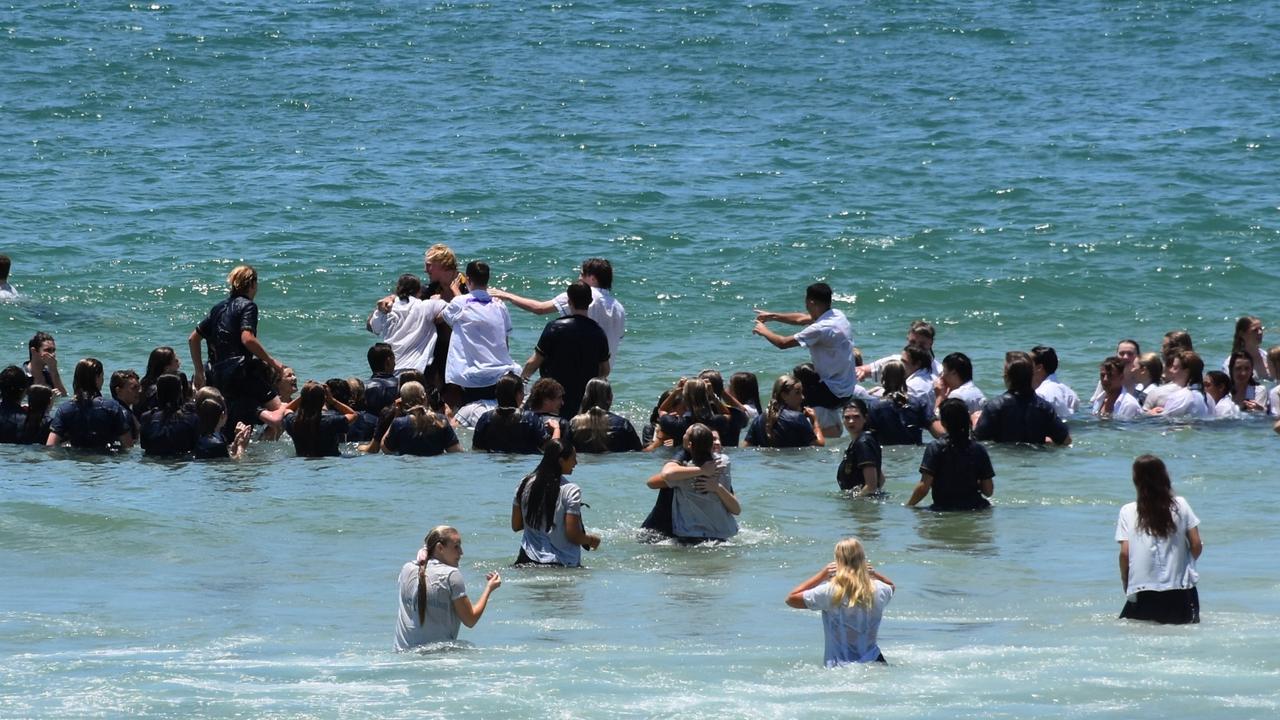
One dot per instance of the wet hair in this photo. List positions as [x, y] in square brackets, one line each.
[241, 279]
[601, 270]
[413, 402]
[408, 286]
[39, 400]
[1176, 339]
[477, 274]
[918, 356]
[540, 512]
[1045, 357]
[86, 382]
[653, 416]
[1114, 364]
[715, 379]
[169, 393]
[437, 535]
[745, 389]
[579, 295]
[507, 392]
[158, 363]
[1153, 364]
[339, 389]
[820, 293]
[209, 412]
[378, 355]
[1273, 357]
[1012, 355]
[776, 403]
[39, 339]
[412, 376]
[13, 384]
[1156, 503]
[590, 427]
[954, 416]
[1194, 364]
[543, 390]
[1242, 327]
[960, 364]
[893, 378]
[701, 443]
[1017, 377]
[700, 401]
[355, 391]
[1219, 379]
[306, 427]
[4, 267]
[441, 255]
[119, 379]
[851, 585]
[1242, 355]
[1137, 349]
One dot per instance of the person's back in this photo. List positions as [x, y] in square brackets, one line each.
[792, 429]
[551, 544]
[406, 438]
[90, 423]
[509, 430]
[1024, 418]
[316, 436]
[889, 425]
[380, 391]
[850, 632]
[573, 348]
[168, 434]
[13, 418]
[478, 353]
[957, 468]
[444, 585]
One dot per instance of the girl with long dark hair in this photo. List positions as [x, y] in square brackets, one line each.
[1159, 538]
[509, 429]
[955, 469]
[703, 505]
[169, 430]
[433, 598]
[548, 508]
[315, 432]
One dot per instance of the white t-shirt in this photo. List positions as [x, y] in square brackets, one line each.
[410, 329]
[1273, 401]
[478, 353]
[1225, 408]
[1063, 399]
[703, 515]
[1126, 407]
[1185, 402]
[1156, 395]
[554, 545]
[1159, 563]
[829, 339]
[605, 310]
[920, 389]
[444, 585]
[849, 633]
[468, 415]
[970, 394]
[935, 368]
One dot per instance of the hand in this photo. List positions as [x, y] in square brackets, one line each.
[197, 379]
[1250, 406]
[705, 485]
[277, 367]
[811, 414]
[940, 390]
[764, 316]
[593, 542]
[862, 371]
[384, 305]
[759, 328]
[497, 294]
[493, 580]
[243, 431]
[831, 569]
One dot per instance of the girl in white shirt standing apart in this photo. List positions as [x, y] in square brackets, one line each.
[1159, 538]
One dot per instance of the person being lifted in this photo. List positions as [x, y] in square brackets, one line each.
[829, 339]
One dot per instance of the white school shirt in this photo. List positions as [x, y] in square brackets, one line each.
[829, 340]
[1225, 408]
[1259, 366]
[1273, 401]
[605, 310]
[1063, 399]
[1159, 563]
[971, 395]
[1126, 407]
[478, 353]
[920, 389]
[935, 367]
[410, 329]
[1185, 402]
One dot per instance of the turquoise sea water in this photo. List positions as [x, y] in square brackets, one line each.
[1018, 173]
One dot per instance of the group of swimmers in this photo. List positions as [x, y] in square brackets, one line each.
[443, 362]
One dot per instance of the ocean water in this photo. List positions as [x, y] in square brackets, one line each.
[1017, 173]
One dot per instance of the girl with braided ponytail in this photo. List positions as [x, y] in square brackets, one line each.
[433, 598]
[851, 596]
[422, 430]
[786, 422]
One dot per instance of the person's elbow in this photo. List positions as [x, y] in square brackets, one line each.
[795, 600]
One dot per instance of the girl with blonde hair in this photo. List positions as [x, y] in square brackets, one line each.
[433, 598]
[851, 596]
[421, 430]
[786, 422]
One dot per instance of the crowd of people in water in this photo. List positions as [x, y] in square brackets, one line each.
[442, 361]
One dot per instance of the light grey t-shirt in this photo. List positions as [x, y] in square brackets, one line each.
[701, 514]
[444, 585]
[552, 546]
[849, 633]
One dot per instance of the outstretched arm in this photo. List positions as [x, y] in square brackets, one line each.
[791, 318]
[795, 598]
[537, 307]
[779, 341]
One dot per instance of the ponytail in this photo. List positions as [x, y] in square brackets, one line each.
[544, 493]
[438, 534]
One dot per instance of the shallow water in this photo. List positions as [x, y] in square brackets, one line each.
[1017, 174]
